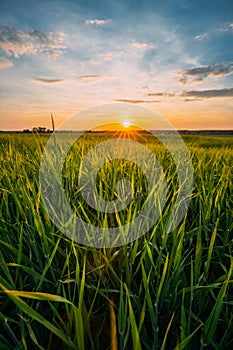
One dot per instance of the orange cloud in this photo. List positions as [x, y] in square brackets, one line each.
[5, 64]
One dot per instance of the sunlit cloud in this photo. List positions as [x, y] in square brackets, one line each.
[200, 73]
[5, 64]
[141, 45]
[15, 42]
[93, 78]
[48, 80]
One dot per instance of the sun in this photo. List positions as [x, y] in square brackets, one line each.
[126, 123]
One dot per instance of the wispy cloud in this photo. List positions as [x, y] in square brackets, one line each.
[200, 73]
[15, 42]
[209, 93]
[191, 99]
[201, 36]
[5, 64]
[136, 101]
[93, 78]
[223, 29]
[141, 45]
[48, 80]
[109, 56]
[162, 94]
[226, 28]
[98, 22]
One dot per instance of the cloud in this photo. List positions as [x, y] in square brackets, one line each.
[15, 42]
[226, 28]
[141, 45]
[93, 78]
[191, 99]
[5, 64]
[90, 77]
[109, 56]
[136, 101]
[50, 38]
[138, 45]
[209, 93]
[48, 80]
[219, 30]
[201, 36]
[164, 94]
[98, 22]
[200, 73]
[155, 94]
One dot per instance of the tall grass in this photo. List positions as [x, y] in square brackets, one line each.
[163, 291]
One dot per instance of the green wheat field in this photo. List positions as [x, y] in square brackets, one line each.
[163, 291]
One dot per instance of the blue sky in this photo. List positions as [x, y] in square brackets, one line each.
[174, 57]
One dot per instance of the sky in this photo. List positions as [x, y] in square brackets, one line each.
[174, 57]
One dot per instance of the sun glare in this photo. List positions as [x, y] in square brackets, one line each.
[126, 123]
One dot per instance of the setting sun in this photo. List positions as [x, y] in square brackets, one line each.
[126, 123]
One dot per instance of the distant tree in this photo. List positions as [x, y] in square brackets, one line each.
[39, 129]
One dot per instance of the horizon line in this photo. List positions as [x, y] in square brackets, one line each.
[47, 130]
